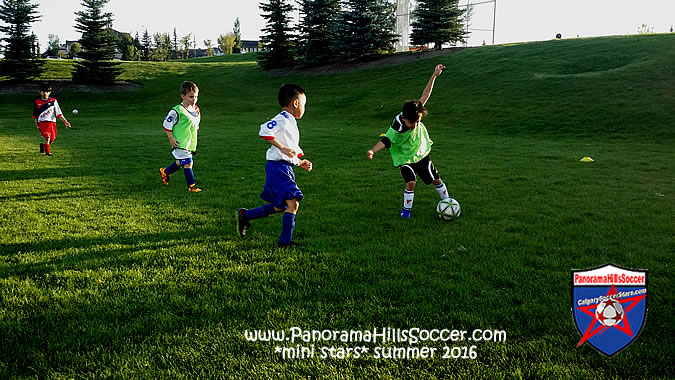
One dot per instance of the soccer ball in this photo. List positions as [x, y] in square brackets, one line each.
[448, 209]
[609, 312]
[75, 112]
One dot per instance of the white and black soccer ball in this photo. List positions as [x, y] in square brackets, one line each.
[609, 312]
[448, 209]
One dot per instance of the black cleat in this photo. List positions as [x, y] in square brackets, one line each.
[288, 245]
[244, 223]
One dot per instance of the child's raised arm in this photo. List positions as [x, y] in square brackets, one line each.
[430, 85]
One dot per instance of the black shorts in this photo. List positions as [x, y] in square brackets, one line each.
[424, 168]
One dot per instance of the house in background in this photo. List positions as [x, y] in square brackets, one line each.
[64, 50]
[198, 53]
[249, 46]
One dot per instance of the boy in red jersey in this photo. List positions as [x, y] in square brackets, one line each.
[45, 111]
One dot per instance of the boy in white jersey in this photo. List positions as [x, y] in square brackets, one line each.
[45, 111]
[181, 126]
[280, 191]
[409, 145]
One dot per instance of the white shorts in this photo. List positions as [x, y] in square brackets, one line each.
[181, 154]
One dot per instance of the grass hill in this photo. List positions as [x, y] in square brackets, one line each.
[105, 272]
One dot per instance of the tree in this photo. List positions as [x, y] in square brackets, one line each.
[19, 62]
[185, 43]
[318, 27]
[98, 45]
[278, 38]
[645, 29]
[173, 51]
[237, 36]
[35, 46]
[437, 22]
[53, 44]
[123, 43]
[226, 42]
[209, 48]
[365, 28]
[75, 49]
[146, 45]
[138, 48]
[160, 49]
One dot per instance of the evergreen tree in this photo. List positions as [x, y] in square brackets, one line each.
[237, 36]
[278, 38]
[437, 22]
[173, 50]
[35, 50]
[19, 62]
[366, 28]
[146, 43]
[98, 45]
[318, 27]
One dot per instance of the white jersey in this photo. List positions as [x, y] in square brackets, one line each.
[283, 128]
[46, 110]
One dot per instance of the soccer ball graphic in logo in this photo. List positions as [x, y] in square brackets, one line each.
[609, 312]
[448, 209]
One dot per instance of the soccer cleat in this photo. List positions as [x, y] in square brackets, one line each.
[244, 223]
[165, 178]
[288, 245]
[193, 188]
[48, 154]
[42, 148]
[405, 213]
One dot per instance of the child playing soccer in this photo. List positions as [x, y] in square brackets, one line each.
[181, 126]
[409, 145]
[280, 191]
[45, 111]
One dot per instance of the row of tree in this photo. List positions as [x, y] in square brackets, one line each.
[165, 47]
[97, 47]
[98, 42]
[343, 30]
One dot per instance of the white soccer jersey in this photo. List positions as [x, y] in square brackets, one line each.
[46, 110]
[283, 128]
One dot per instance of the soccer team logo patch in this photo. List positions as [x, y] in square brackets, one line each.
[609, 304]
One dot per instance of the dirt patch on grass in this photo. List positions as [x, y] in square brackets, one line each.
[8, 87]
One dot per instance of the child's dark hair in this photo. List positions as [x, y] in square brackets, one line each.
[412, 109]
[188, 86]
[288, 92]
[45, 87]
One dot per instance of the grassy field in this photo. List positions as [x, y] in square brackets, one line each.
[105, 272]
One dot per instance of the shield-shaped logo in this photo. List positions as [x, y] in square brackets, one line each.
[609, 304]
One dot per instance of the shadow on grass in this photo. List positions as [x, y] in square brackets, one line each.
[97, 250]
[61, 194]
[20, 175]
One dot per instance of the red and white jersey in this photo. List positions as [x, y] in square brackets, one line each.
[283, 128]
[46, 110]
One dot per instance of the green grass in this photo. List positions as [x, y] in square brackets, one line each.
[105, 272]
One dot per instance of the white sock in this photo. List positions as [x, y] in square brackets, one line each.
[442, 191]
[408, 197]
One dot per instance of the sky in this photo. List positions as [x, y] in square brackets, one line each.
[515, 20]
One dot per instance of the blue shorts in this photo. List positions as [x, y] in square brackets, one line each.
[280, 184]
